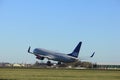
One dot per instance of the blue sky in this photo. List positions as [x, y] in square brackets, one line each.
[59, 25]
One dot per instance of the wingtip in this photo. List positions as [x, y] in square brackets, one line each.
[29, 49]
[92, 54]
[80, 42]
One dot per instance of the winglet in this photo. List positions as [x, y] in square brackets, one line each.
[29, 50]
[92, 55]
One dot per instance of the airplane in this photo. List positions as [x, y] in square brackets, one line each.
[41, 54]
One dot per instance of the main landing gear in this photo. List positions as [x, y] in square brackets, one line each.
[49, 63]
[59, 63]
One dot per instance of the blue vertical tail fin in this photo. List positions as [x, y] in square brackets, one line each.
[75, 52]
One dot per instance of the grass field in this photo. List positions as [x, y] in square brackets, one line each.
[57, 74]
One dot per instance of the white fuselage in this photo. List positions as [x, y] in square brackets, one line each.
[54, 55]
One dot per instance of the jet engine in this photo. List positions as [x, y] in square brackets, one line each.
[39, 57]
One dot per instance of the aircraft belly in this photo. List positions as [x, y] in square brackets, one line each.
[64, 59]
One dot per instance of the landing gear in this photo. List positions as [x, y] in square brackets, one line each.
[59, 63]
[49, 63]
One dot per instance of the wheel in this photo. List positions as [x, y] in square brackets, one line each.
[49, 63]
[59, 63]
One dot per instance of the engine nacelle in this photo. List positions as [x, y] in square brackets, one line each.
[39, 57]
